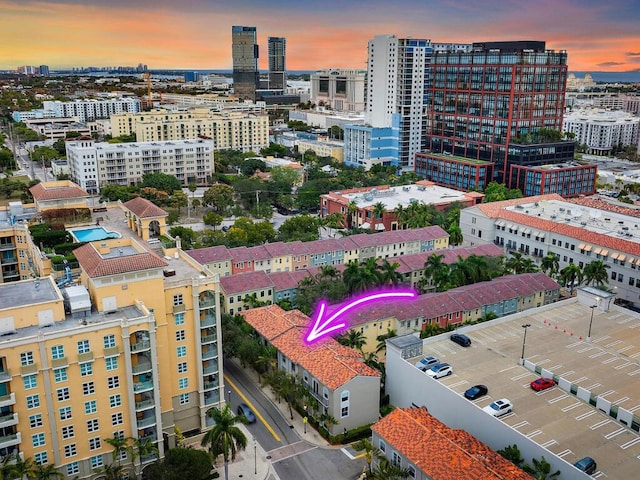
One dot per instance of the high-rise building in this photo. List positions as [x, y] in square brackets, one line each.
[244, 49]
[44, 70]
[338, 89]
[277, 49]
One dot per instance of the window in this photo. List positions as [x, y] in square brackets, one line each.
[182, 367]
[345, 396]
[83, 346]
[65, 413]
[396, 459]
[382, 446]
[115, 401]
[178, 318]
[344, 412]
[97, 461]
[113, 382]
[41, 458]
[60, 374]
[63, 394]
[181, 351]
[68, 432]
[117, 419]
[180, 335]
[37, 440]
[26, 358]
[177, 300]
[88, 388]
[57, 352]
[90, 407]
[184, 398]
[183, 383]
[73, 468]
[70, 450]
[86, 369]
[33, 401]
[30, 381]
[35, 421]
[111, 363]
[93, 425]
[109, 341]
[94, 443]
[412, 471]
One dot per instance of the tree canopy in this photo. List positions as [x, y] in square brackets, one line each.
[161, 181]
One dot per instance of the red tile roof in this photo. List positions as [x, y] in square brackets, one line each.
[328, 361]
[94, 265]
[249, 254]
[56, 191]
[442, 452]
[143, 208]
[219, 253]
[245, 282]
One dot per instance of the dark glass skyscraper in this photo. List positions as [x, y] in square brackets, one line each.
[277, 50]
[244, 49]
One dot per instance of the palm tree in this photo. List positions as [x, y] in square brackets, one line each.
[353, 338]
[369, 452]
[436, 271]
[327, 421]
[352, 208]
[541, 469]
[455, 234]
[596, 272]
[112, 471]
[529, 266]
[22, 468]
[388, 274]
[119, 444]
[46, 472]
[385, 470]
[225, 438]
[140, 448]
[382, 339]
[550, 263]
[378, 211]
[570, 276]
[514, 263]
[401, 216]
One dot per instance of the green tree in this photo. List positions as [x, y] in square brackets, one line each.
[285, 176]
[515, 263]
[436, 271]
[495, 192]
[218, 196]
[138, 449]
[455, 234]
[178, 200]
[180, 464]
[378, 211]
[119, 444]
[300, 227]
[353, 338]
[385, 470]
[161, 181]
[187, 236]
[212, 219]
[512, 453]
[251, 165]
[596, 273]
[352, 208]
[541, 469]
[550, 264]
[112, 471]
[46, 472]
[570, 276]
[224, 438]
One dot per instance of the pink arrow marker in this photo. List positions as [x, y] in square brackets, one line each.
[322, 327]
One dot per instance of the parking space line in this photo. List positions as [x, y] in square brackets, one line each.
[630, 443]
[509, 368]
[548, 444]
[571, 345]
[564, 374]
[585, 349]
[635, 372]
[609, 345]
[564, 453]
[609, 436]
[571, 407]
[624, 365]
[634, 355]
[535, 433]
[554, 368]
[601, 339]
[608, 392]
[598, 474]
[601, 423]
[582, 416]
[628, 347]
[581, 379]
[611, 360]
[621, 400]
[508, 415]
[521, 376]
[633, 409]
[542, 362]
[598, 354]
[457, 384]
[521, 424]
[557, 399]
[591, 387]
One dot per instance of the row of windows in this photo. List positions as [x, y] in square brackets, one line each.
[57, 351]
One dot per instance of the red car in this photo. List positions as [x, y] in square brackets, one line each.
[542, 384]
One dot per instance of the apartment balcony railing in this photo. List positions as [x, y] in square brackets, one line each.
[9, 420]
[142, 367]
[209, 354]
[152, 438]
[139, 387]
[320, 398]
[146, 421]
[141, 346]
[208, 321]
[205, 339]
[207, 302]
[211, 385]
[7, 246]
[7, 400]
[145, 404]
[10, 440]
[210, 370]
[8, 260]
[152, 457]
[5, 375]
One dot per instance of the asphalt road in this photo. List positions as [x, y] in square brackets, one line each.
[293, 458]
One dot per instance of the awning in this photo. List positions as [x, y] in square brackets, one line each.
[526, 231]
[614, 256]
[597, 251]
[380, 226]
[537, 234]
[502, 223]
[587, 248]
[365, 225]
[604, 253]
[622, 258]
[581, 246]
[633, 260]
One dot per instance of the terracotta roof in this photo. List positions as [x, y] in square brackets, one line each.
[245, 282]
[143, 208]
[281, 249]
[328, 361]
[290, 280]
[249, 254]
[94, 265]
[602, 205]
[442, 452]
[210, 254]
[56, 191]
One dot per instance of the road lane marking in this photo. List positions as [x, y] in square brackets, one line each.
[254, 409]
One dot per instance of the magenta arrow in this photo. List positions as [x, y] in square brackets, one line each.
[322, 327]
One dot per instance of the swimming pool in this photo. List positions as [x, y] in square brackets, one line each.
[92, 234]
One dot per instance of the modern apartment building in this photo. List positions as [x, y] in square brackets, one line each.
[95, 164]
[229, 130]
[341, 90]
[129, 349]
[277, 51]
[578, 232]
[244, 50]
[602, 130]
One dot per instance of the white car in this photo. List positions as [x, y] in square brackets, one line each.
[426, 363]
[499, 407]
[440, 370]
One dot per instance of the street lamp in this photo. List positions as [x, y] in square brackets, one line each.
[229, 392]
[524, 341]
[304, 420]
[592, 307]
[255, 456]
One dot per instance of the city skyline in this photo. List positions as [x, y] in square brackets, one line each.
[197, 35]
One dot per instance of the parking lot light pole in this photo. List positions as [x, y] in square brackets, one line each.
[592, 307]
[524, 341]
[255, 456]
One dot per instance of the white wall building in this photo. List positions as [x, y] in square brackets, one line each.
[602, 130]
[86, 110]
[93, 165]
[340, 90]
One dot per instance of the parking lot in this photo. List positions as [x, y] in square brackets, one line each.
[608, 366]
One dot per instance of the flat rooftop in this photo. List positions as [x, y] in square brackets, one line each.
[607, 366]
[28, 292]
[457, 158]
[403, 195]
[613, 224]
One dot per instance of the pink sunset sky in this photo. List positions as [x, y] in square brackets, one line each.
[598, 36]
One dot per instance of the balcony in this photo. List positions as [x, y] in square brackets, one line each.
[8, 400]
[212, 398]
[10, 260]
[145, 404]
[152, 437]
[208, 321]
[141, 346]
[7, 246]
[145, 422]
[207, 302]
[139, 387]
[210, 369]
[205, 339]
[142, 367]
[10, 440]
[211, 385]
[320, 398]
[59, 362]
[152, 457]
[9, 420]
[5, 375]
[209, 354]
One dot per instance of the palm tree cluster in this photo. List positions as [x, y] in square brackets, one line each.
[593, 273]
[225, 438]
[134, 448]
[13, 467]
[378, 466]
[439, 276]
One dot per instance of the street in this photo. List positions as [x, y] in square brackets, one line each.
[292, 457]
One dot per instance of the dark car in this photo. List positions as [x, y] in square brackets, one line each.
[244, 410]
[542, 384]
[587, 465]
[461, 340]
[476, 392]
[225, 228]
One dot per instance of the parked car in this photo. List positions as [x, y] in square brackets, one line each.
[460, 339]
[426, 363]
[499, 407]
[542, 384]
[587, 465]
[440, 370]
[476, 392]
[225, 228]
[244, 410]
